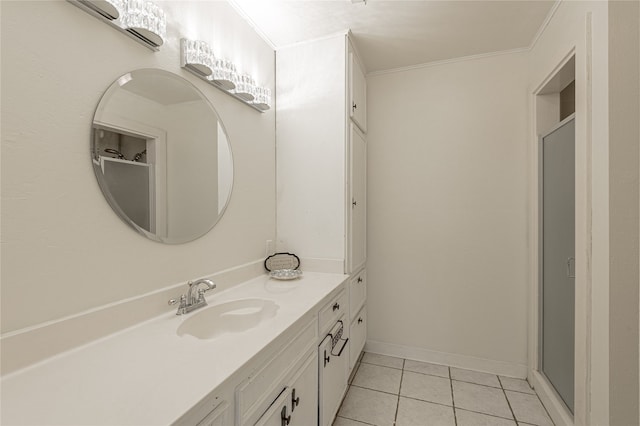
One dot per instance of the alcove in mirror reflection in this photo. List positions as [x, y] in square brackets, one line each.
[161, 156]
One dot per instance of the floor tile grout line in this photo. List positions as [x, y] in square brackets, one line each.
[395, 418]
[485, 414]
[380, 365]
[508, 402]
[453, 400]
[424, 374]
[355, 420]
[375, 390]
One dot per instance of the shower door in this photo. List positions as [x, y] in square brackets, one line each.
[558, 258]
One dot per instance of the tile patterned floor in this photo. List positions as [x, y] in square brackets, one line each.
[388, 391]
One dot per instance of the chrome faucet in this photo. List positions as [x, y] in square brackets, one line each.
[194, 299]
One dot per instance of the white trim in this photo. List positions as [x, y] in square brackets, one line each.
[545, 24]
[567, 57]
[503, 368]
[551, 401]
[449, 61]
[243, 14]
[29, 345]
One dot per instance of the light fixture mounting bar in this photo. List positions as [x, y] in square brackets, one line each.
[114, 24]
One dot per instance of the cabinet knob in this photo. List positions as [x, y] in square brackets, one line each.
[359, 320]
[327, 358]
[336, 306]
[359, 279]
[355, 106]
[283, 415]
[294, 401]
[354, 203]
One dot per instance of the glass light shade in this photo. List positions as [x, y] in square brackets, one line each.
[224, 74]
[197, 56]
[146, 20]
[246, 88]
[262, 100]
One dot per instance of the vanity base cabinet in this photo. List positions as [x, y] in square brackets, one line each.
[266, 382]
[296, 405]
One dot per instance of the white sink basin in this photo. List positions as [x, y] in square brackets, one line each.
[229, 317]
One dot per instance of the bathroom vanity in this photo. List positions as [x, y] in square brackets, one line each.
[148, 374]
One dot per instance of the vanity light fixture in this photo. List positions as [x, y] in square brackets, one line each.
[225, 74]
[110, 9]
[263, 98]
[246, 88]
[197, 57]
[142, 20]
[146, 20]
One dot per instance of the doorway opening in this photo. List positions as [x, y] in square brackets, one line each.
[555, 343]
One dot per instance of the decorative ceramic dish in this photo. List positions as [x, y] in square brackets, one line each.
[279, 261]
[285, 274]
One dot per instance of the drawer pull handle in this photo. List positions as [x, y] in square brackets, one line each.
[359, 320]
[336, 306]
[294, 401]
[344, 345]
[285, 419]
[359, 279]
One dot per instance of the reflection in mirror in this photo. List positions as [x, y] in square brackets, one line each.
[161, 156]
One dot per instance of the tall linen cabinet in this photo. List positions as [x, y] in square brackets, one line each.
[321, 156]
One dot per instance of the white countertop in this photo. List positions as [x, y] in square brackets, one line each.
[147, 374]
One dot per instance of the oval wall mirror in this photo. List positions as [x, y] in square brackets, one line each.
[161, 156]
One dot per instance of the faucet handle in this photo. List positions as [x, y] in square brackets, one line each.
[182, 300]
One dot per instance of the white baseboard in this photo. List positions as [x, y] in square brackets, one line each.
[30, 345]
[501, 368]
[555, 407]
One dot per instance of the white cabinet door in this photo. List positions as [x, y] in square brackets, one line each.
[358, 335]
[334, 372]
[304, 394]
[358, 191]
[357, 292]
[358, 93]
[279, 412]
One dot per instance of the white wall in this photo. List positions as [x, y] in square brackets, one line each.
[63, 249]
[447, 213]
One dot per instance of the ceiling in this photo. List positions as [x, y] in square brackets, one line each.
[391, 34]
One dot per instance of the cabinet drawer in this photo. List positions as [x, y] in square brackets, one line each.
[358, 335]
[255, 394]
[357, 292]
[332, 311]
